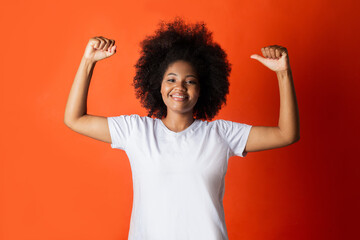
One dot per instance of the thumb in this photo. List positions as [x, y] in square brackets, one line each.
[257, 57]
[261, 59]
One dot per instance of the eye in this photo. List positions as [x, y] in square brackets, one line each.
[192, 82]
[171, 80]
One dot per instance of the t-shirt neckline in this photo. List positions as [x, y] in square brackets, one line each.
[193, 124]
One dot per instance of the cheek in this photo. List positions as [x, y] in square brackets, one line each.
[163, 92]
[198, 92]
[162, 89]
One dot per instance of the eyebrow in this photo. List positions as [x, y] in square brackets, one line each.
[186, 76]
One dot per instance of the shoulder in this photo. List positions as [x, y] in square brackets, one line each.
[226, 127]
[133, 117]
[218, 125]
[132, 120]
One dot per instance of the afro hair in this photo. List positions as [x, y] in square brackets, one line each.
[189, 42]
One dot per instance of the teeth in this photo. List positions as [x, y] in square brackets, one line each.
[177, 96]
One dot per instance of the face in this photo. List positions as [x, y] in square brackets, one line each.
[180, 87]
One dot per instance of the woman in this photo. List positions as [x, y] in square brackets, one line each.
[179, 159]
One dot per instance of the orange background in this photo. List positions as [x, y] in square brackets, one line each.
[58, 184]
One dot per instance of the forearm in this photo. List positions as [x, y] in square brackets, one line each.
[289, 122]
[76, 106]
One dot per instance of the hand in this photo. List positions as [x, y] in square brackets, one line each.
[99, 48]
[276, 58]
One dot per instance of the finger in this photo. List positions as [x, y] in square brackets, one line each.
[99, 43]
[267, 51]
[106, 46]
[113, 46]
[263, 52]
[283, 51]
[96, 42]
[272, 53]
[102, 43]
[112, 43]
[277, 53]
[112, 49]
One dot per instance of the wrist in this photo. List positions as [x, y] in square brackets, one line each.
[284, 73]
[87, 61]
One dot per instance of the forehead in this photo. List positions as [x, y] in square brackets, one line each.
[180, 66]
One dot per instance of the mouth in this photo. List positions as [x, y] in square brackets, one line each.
[179, 98]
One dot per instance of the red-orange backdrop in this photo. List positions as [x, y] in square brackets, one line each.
[58, 184]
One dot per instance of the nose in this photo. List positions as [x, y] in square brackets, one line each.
[180, 85]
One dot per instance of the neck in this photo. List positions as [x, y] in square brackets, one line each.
[177, 122]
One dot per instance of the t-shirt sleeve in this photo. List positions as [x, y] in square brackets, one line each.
[120, 128]
[236, 135]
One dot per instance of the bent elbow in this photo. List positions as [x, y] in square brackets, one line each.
[294, 140]
[68, 123]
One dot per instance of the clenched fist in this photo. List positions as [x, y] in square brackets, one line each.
[99, 48]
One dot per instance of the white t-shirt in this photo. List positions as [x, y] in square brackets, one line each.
[178, 177]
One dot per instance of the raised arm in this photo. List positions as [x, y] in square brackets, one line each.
[76, 117]
[288, 130]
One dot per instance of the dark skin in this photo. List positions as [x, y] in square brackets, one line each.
[180, 108]
[180, 113]
[180, 91]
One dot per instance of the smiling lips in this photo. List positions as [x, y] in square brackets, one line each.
[179, 97]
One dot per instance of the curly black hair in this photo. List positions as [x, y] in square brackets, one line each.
[189, 42]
